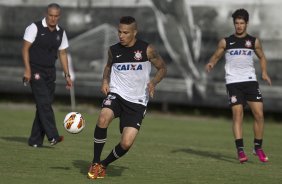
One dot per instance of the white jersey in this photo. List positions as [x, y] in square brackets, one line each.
[239, 66]
[130, 72]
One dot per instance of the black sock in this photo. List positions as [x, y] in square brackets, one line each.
[257, 143]
[239, 144]
[100, 137]
[115, 154]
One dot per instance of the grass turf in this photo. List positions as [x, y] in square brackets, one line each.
[169, 149]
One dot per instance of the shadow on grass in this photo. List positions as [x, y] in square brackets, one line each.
[61, 168]
[23, 140]
[112, 170]
[16, 139]
[207, 154]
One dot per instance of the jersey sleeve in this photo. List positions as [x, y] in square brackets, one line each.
[30, 33]
[65, 42]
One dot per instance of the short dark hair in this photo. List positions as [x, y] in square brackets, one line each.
[241, 14]
[54, 5]
[127, 20]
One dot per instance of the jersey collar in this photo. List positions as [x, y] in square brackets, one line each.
[44, 23]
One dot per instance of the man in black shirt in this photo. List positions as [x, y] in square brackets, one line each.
[43, 42]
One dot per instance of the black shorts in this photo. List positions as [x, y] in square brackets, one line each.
[241, 92]
[130, 114]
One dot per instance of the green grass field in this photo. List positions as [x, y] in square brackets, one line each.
[169, 150]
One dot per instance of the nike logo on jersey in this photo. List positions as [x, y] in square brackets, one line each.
[117, 56]
[232, 43]
[42, 34]
[258, 97]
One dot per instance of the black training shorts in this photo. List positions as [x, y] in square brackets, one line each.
[130, 114]
[241, 92]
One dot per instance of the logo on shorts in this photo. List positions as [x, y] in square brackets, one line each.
[112, 97]
[107, 102]
[36, 76]
[233, 99]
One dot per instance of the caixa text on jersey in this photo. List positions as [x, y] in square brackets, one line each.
[129, 67]
[240, 52]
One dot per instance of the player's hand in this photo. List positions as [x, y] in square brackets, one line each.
[69, 83]
[266, 78]
[209, 67]
[151, 89]
[105, 88]
[27, 75]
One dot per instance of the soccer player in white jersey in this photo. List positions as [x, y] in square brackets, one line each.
[127, 84]
[241, 82]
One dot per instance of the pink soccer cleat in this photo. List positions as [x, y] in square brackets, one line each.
[242, 157]
[261, 155]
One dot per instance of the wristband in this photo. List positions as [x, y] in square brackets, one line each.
[67, 75]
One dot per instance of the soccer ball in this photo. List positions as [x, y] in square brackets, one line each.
[74, 122]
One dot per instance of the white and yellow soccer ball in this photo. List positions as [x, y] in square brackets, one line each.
[74, 122]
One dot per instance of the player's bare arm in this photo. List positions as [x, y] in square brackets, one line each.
[217, 55]
[64, 62]
[260, 54]
[25, 55]
[106, 74]
[160, 65]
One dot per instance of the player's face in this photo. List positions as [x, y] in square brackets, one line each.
[126, 34]
[52, 17]
[240, 26]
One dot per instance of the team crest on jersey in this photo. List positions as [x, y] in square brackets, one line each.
[248, 43]
[36, 76]
[138, 55]
[233, 99]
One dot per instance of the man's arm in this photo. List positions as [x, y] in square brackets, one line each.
[159, 64]
[217, 55]
[64, 62]
[105, 88]
[25, 57]
[260, 54]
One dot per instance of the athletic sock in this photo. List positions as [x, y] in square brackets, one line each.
[115, 154]
[239, 144]
[257, 143]
[100, 137]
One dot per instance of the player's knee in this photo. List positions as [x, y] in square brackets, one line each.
[259, 117]
[102, 122]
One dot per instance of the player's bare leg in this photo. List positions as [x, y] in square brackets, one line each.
[257, 110]
[238, 113]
